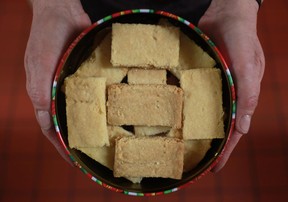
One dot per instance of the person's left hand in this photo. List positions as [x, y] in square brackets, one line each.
[231, 24]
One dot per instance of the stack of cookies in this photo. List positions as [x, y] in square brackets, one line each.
[125, 112]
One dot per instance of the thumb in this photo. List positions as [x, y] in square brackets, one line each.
[248, 90]
[247, 68]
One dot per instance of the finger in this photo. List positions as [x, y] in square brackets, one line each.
[248, 70]
[44, 118]
[235, 36]
[248, 90]
[229, 147]
[44, 49]
[52, 137]
[40, 62]
[247, 100]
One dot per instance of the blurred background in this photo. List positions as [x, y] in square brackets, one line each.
[32, 170]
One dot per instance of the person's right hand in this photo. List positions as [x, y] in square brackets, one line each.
[55, 24]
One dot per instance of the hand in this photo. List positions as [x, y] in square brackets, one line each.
[55, 23]
[231, 24]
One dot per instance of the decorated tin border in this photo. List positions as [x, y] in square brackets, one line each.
[66, 55]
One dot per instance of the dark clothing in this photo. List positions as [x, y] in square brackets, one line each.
[191, 10]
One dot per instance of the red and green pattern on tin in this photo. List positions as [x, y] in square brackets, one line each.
[72, 46]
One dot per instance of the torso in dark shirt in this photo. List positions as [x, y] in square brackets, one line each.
[191, 10]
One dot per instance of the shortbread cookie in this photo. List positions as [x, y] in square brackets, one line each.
[105, 155]
[146, 76]
[158, 157]
[195, 150]
[150, 105]
[203, 110]
[115, 132]
[99, 65]
[150, 130]
[142, 45]
[191, 56]
[86, 112]
[176, 133]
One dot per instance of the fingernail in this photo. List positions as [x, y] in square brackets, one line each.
[244, 123]
[44, 119]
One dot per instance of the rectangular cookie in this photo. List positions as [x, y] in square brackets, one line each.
[86, 112]
[191, 56]
[150, 130]
[143, 45]
[150, 105]
[195, 151]
[146, 76]
[158, 157]
[202, 110]
[175, 133]
[99, 65]
[105, 155]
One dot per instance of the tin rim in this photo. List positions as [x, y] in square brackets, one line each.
[203, 36]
